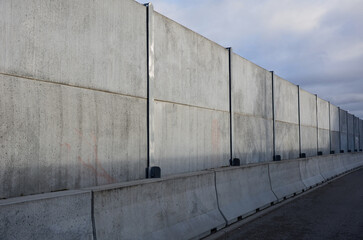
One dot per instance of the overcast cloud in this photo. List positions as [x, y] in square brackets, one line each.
[314, 43]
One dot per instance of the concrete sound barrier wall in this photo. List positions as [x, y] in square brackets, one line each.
[356, 133]
[286, 118]
[58, 137]
[310, 172]
[351, 139]
[286, 178]
[179, 207]
[308, 122]
[334, 128]
[190, 100]
[61, 215]
[72, 94]
[252, 133]
[243, 190]
[323, 125]
[343, 131]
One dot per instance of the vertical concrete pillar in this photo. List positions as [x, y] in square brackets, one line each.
[150, 81]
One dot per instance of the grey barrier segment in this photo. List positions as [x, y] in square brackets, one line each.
[285, 178]
[60, 215]
[191, 100]
[331, 166]
[343, 130]
[334, 128]
[252, 115]
[59, 137]
[310, 172]
[308, 123]
[243, 190]
[92, 44]
[179, 207]
[323, 126]
[286, 119]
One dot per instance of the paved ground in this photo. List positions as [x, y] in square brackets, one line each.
[334, 211]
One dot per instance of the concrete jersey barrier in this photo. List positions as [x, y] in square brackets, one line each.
[179, 207]
[285, 178]
[329, 168]
[242, 190]
[310, 172]
[60, 215]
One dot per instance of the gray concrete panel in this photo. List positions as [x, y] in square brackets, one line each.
[97, 44]
[309, 141]
[242, 190]
[335, 142]
[310, 172]
[323, 114]
[180, 207]
[189, 68]
[356, 134]
[287, 140]
[334, 118]
[190, 138]
[56, 137]
[286, 178]
[324, 141]
[307, 109]
[251, 88]
[286, 101]
[351, 139]
[253, 139]
[343, 131]
[62, 215]
[361, 133]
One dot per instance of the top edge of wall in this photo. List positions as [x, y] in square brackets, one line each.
[245, 59]
[169, 19]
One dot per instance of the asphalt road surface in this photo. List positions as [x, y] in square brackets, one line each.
[334, 211]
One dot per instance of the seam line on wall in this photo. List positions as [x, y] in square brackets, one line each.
[189, 105]
[70, 85]
[215, 188]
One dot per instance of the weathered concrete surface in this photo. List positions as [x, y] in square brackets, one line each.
[180, 207]
[334, 128]
[286, 178]
[356, 134]
[309, 132]
[56, 137]
[310, 172]
[343, 130]
[286, 115]
[191, 92]
[61, 215]
[97, 44]
[323, 125]
[332, 212]
[361, 134]
[242, 190]
[252, 111]
[190, 138]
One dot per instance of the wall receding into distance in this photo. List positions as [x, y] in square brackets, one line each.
[97, 92]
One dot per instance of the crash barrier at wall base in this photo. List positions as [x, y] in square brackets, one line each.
[331, 166]
[59, 215]
[243, 190]
[286, 178]
[179, 207]
[310, 173]
[187, 206]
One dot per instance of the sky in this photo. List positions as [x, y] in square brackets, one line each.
[317, 44]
